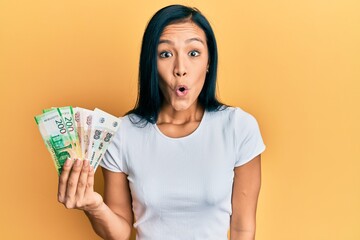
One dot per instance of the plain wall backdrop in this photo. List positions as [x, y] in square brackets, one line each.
[294, 65]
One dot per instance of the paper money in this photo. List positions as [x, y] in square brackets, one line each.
[103, 133]
[67, 116]
[103, 128]
[77, 116]
[56, 137]
[76, 133]
[86, 123]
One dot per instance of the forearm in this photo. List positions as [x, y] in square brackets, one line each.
[244, 200]
[242, 235]
[109, 225]
[243, 224]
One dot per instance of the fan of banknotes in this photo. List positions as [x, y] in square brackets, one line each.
[76, 133]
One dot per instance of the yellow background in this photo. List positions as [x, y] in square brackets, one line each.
[295, 65]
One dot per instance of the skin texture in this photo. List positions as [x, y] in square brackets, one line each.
[182, 61]
[246, 188]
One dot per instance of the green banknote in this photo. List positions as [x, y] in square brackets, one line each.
[67, 115]
[76, 133]
[56, 137]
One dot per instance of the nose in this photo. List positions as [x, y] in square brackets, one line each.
[180, 74]
[180, 67]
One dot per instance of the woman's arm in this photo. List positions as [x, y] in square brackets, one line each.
[247, 181]
[112, 218]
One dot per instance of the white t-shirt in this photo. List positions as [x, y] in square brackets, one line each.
[181, 187]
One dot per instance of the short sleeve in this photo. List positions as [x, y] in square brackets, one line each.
[249, 142]
[113, 158]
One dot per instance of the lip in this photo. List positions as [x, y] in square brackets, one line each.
[181, 90]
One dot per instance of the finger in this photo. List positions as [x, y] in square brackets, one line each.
[90, 180]
[72, 183]
[81, 186]
[93, 200]
[63, 178]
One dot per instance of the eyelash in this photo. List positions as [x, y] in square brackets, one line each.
[194, 51]
[163, 54]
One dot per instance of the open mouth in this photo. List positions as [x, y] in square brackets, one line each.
[181, 90]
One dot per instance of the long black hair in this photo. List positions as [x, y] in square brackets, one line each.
[150, 97]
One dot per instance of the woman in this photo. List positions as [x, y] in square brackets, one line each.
[182, 165]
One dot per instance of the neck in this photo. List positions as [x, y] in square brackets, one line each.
[171, 116]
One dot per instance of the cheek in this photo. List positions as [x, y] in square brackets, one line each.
[164, 72]
[200, 78]
[201, 82]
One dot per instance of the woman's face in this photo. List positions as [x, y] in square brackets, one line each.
[182, 61]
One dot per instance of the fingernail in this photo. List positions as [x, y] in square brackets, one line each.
[77, 163]
[86, 163]
[68, 162]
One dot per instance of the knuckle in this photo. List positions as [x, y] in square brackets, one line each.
[71, 183]
[81, 184]
[62, 180]
[69, 205]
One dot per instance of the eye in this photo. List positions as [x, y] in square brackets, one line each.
[165, 54]
[194, 53]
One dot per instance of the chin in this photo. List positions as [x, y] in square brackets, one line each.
[180, 106]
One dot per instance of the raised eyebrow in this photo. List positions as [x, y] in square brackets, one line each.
[165, 41]
[194, 39]
[186, 41]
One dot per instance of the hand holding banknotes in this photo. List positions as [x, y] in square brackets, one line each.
[76, 133]
[77, 140]
[71, 135]
[76, 186]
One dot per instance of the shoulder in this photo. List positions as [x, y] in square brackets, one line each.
[133, 121]
[134, 127]
[232, 116]
[129, 132]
